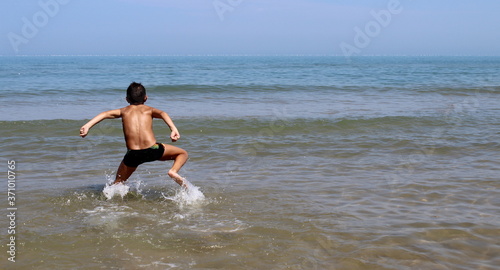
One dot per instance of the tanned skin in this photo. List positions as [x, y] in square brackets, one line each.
[137, 122]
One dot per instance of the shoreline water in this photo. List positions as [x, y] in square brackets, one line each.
[304, 163]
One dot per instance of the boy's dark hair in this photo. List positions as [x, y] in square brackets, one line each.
[136, 93]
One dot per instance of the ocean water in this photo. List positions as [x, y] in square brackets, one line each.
[295, 163]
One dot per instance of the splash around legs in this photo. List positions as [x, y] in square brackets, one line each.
[177, 178]
[180, 157]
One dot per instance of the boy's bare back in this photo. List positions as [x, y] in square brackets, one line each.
[137, 121]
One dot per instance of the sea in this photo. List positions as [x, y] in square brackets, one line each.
[295, 162]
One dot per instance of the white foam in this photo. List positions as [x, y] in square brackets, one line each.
[117, 189]
[109, 217]
[187, 196]
[226, 226]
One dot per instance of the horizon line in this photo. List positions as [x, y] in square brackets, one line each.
[244, 55]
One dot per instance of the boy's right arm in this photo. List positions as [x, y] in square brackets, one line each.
[84, 130]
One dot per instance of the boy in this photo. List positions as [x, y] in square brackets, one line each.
[137, 122]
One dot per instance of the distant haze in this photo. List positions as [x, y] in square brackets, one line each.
[267, 27]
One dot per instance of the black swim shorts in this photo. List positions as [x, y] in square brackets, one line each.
[134, 158]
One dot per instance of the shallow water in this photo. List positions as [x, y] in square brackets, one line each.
[323, 226]
[308, 172]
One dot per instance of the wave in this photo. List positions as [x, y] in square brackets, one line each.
[236, 89]
[462, 91]
[239, 126]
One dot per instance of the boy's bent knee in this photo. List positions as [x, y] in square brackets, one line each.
[181, 151]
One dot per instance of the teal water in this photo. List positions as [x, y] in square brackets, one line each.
[305, 163]
[68, 87]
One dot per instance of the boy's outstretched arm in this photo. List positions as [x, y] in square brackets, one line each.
[174, 135]
[84, 130]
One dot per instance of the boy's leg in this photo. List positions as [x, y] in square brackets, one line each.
[179, 156]
[123, 173]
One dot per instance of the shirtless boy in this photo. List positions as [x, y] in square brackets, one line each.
[137, 122]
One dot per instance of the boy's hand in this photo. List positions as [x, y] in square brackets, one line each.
[174, 135]
[84, 131]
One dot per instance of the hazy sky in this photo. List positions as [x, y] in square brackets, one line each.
[334, 27]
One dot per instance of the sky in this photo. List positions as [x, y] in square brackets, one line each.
[255, 27]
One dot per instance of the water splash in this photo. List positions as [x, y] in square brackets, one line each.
[110, 217]
[190, 196]
[117, 189]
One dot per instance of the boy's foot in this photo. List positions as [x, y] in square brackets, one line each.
[177, 178]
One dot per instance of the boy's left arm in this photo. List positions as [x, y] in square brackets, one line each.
[174, 135]
[84, 130]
